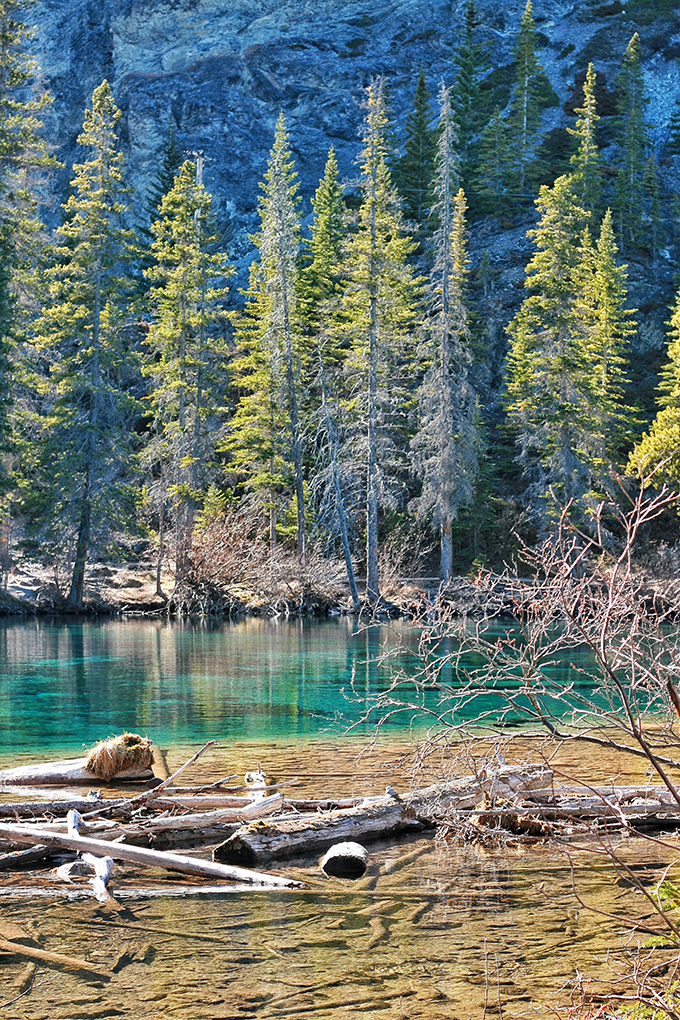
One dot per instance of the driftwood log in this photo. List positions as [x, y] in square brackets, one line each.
[141, 855]
[345, 860]
[70, 772]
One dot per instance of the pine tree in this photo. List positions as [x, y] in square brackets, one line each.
[23, 157]
[605, 325]
[492, 180]
[524, 117]
[167, 172]
[320, 279]
[673, 139]
[548, 370]
[186, 352]
[446, 445]
[86, 439]
[256, 436]
[651, 214]
[466, 95]
[279, 244]
[413, 172]
[268, 366]
[587, 172]
[379, 301]
[633, 142]
[658, 453]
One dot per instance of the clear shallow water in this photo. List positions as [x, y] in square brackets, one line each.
[68, 683]
[431, 932]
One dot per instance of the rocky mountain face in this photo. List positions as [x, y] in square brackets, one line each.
[221, 70]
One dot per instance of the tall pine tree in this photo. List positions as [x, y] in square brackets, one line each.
[525, 114]
[85, 439]
[413, 172]
[587, 172]
[445, 448]
[379, 302]
[633, 143]
[186, 350]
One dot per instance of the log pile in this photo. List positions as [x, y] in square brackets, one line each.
[245, 828]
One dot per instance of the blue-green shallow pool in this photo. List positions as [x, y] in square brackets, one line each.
[66, 683]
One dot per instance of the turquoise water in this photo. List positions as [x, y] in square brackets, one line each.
[64, 684]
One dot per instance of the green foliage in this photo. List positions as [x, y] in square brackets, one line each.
[83, 450]
[186, 351]
[492, 181]
[526, 103]
[413, 172]
[587, 172]
[633, 144]
[466, 96]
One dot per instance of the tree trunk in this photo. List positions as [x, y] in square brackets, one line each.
[446, 555]
[293, 409]
[75, 595]
[372, 568]
[161, 537]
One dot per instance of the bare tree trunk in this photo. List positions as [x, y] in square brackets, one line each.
[446, 554]
[75, 595]
[161, 537]
[339, 503]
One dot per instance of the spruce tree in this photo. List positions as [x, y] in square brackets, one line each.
[320, 279]
[605, 324]
[658, 452]
[548, 368]
[466, 95]
[492, 180]
[413, 172]
[445, 448]
[633, 143]
[379, 303]
[279, 244]
[86, 438]
[186, 353]
[23, 161]
[525, 114]
[587, 172]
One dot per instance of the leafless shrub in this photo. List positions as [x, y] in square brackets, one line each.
[232, 566]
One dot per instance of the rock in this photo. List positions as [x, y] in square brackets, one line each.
[345, 860]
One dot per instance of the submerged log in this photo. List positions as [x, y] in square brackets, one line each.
[345, 860]
[141, 855]
[56, 959]
[70, 772]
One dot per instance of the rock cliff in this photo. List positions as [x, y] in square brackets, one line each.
[222, 70]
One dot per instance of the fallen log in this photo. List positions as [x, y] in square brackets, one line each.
[56, 959]
[55, 808]
[374, 817]
[70, 772]
[141, 855]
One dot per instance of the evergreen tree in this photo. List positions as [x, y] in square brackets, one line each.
[23, 155]
[413, 172]
[446, 445]
[186, 353]
[492, 180]
[651, 209]
[85, 441]
[379, 301]
[673, 139]
[633, 143]
[321, 277]
[167, 172]
[605, 324]
[466, 95]
[269, 365]
[524, 116]
[587, 173]
[548, 368]
[658, 452]
[256, 437]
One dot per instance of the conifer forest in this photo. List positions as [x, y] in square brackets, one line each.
[339, 405]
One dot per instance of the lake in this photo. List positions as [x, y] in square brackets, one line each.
[432, 931]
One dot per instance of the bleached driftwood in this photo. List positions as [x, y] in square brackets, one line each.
[56, 959]
[70, 772]
[141, 855]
